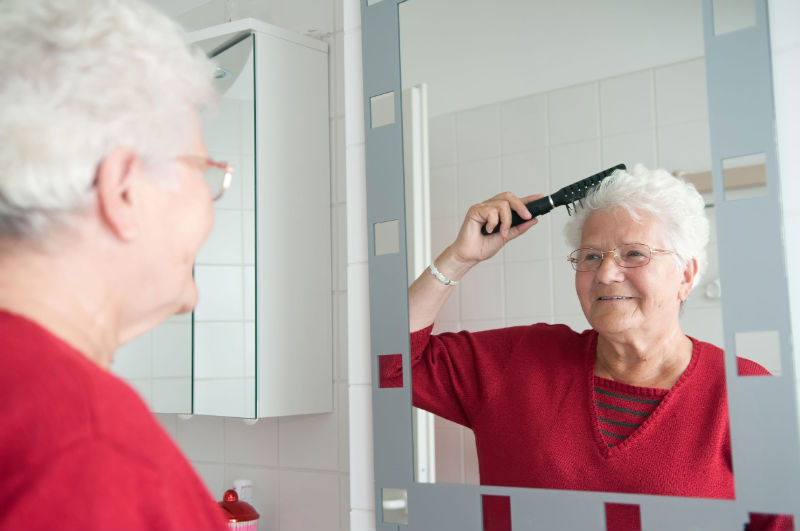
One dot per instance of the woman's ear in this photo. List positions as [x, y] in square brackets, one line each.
[115, 182]
[687, 282]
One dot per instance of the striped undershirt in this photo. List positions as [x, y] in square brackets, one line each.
[622, 408]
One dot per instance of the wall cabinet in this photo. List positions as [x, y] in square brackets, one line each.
[259, 343]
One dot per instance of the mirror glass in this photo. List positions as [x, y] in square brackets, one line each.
[204, 363]
[529, 96]
[224, 320]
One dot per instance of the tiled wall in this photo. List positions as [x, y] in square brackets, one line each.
[299, 465]
[537, 144]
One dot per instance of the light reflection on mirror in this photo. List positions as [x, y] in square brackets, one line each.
[529, 96]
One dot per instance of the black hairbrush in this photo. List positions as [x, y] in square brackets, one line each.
[568, 195]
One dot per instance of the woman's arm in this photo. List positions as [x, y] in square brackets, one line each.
[427, 294]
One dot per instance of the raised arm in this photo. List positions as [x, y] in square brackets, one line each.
[427, 294]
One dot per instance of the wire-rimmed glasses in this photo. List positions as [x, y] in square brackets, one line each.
[218, 175]
[626, 255]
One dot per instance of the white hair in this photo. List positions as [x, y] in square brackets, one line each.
[79, 79]
[676, 204]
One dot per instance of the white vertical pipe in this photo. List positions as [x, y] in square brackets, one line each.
[362, 474]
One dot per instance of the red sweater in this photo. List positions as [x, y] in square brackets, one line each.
[80, 450]
[528, 394]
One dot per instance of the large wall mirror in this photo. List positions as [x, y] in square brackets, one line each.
[467, 99]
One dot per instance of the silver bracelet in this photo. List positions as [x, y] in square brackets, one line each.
[441, 278]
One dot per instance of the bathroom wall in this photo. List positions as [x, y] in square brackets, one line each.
[536, 144]
[299, 464]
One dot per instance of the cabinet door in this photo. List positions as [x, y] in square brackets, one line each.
[223, 330]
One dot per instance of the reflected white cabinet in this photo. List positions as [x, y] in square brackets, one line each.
[259, 343]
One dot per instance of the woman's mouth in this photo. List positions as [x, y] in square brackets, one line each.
[614, 298]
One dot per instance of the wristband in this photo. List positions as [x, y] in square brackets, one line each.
[441, 278]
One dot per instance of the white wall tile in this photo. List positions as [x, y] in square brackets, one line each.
[442, 139]
[362, 475]
[232, 199]
[477, 181]
[339, 248]
[356, 205]
[133, 359]
[528, 286]
[250, 349]
[340, 335]
[172, 350]
[626, 103]
[630, 149]
[535, 244]
[222, 126]
[309, 501]
[787, 105]
[213, 475]
[219, 350]
[478, 133]
[525, 173]
[478, 325]
[449, 456]
[144, 388]
[471, 472]
[220, 289]
[573, 114]
[342, 409]
[266, 489]
[249, 293]
[202, 438]
[221, 396]
[577, 322]
[784, 16]
[444, 232]
[172, 394]
[443, 192]
[339, 161]
[169, 422]
[685, 146]
[254, 445]
[354, 97]
[246, 176]
[565, 299]
[704, 324]
[681, 92]
[482, 293]
[524, 124]
[572, 162]
[358, 358]
[309, 441]
[224, 244]
[344, 502]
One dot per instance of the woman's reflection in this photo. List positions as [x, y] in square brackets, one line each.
[630, 405]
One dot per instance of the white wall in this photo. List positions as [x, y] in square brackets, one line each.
[299, 465]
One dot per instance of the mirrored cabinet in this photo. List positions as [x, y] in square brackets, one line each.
[259, 343]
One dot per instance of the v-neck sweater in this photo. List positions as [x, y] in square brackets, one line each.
[528, 394]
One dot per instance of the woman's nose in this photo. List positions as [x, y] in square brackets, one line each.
[608, 270]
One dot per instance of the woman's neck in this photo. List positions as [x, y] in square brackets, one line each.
[55, 293]
[657, 363]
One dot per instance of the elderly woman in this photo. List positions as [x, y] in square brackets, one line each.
[103, 207]
[630, 405]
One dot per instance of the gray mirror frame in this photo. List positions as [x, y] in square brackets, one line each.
[763, 410]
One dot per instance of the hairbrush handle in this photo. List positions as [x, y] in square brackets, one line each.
[569, 194]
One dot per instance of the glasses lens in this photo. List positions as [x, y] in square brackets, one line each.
[633, 255]
[217, 179]
[585, 259]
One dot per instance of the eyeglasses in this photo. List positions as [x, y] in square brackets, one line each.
[218, 175]
[627, 255]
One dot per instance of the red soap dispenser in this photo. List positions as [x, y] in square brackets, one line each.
[241, 516]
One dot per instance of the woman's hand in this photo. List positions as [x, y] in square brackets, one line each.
[471, 246]
[427, 295]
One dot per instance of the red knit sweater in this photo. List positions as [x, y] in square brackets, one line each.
[80, 450]
[528, 395]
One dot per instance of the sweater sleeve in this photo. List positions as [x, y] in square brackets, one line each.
[453, 374]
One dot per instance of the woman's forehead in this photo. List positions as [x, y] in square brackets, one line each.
[618, 226]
